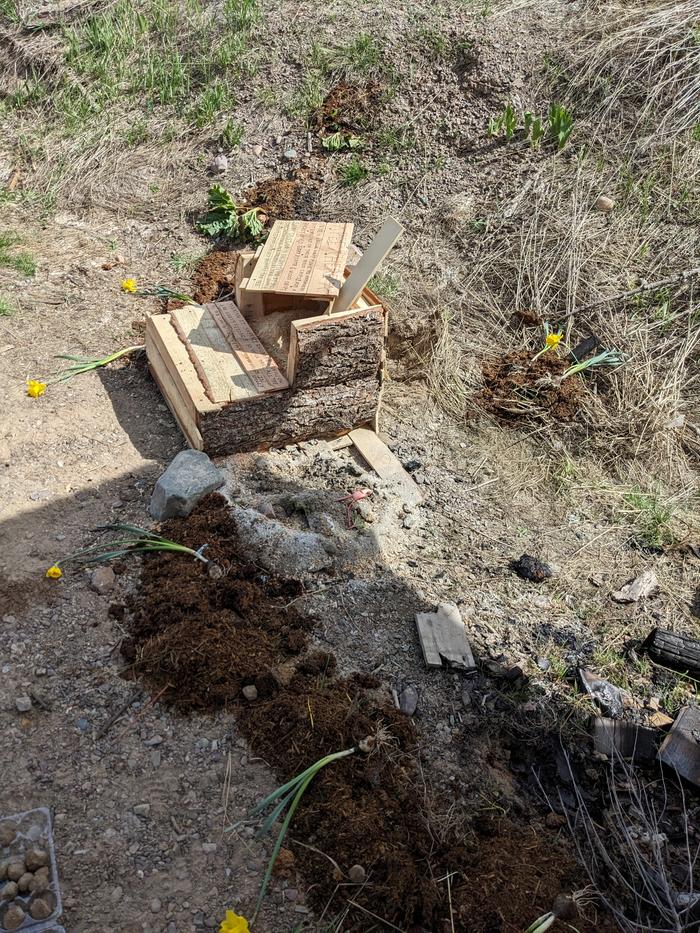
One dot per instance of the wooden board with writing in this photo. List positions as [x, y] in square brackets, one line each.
[302, 258]
[221, 373]
[259, 366]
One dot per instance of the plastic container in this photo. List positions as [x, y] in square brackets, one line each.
[33, 830]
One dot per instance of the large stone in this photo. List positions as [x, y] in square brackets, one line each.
[286, 553]
[188, 479]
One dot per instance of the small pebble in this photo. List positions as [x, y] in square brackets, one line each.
[156, 905]
[24, 881]
[142, 809]
[209, 848]
[357, 874]
[408, 700]
[604, 204]
[257, 150]
[102, 580]
[250, 693]
[23, 704]
[116, 894]
[290, 154]
[409, 521]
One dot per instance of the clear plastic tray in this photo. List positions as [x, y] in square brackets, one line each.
[33, 830]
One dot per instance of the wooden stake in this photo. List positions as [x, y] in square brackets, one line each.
[367, 265]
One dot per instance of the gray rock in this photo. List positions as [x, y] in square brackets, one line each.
[257, 150]
[189, 478]
[23, 704]
[409, 521]
[250, 692]
[102, 580]
[408, 700]
[357, 874]
[218, 165]
[290, 154]
[116, 894]
[156, 905]
[286, 553]
[644, 585]
[209, 848]
[142, 809]
[156, 758]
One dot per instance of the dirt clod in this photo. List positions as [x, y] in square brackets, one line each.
[348, 107]
[531, 568]
[518, 387]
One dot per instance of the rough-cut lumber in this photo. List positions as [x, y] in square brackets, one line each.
[681, 749]
[222, 375]
[329, 350]
[288, 417]
[386, 464]
[443, 638]
[258, 365]
[172, 396]
[617, 737]
[162, 339]
[679, 652]
[302, 258]
[368, 264]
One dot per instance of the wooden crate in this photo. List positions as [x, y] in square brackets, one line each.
[229, 395]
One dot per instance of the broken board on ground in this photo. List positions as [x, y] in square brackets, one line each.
[681, 747]
[443, 639]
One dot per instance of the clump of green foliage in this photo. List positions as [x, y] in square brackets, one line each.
[338, 141]
[226, 218]
[20, 262]
[353, 172]
[560, 123]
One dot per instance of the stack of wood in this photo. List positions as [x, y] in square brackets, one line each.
[232, 388]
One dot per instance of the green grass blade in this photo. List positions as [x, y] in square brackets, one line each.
[274, 815]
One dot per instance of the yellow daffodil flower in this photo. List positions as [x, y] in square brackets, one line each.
[233, 923]
[54, 573]
[553, 340]
[35, 388]
[129, 285]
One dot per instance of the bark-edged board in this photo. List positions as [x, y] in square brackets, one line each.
[681, 749]
[259, 367]
[221, 373]
[332, 349]
[288, 417]
[443, 639]
[679, 652]
[385, 464]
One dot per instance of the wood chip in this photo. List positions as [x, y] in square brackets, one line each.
[386, 465]
[443, 639]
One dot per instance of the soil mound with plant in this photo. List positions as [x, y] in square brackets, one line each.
[200, 634]
[518, 386]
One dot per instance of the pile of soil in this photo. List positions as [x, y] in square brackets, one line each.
[201, 637]
[348, 108]
[214, 277]
[276, 197]
[516, 388]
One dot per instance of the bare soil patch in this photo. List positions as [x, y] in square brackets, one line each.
[214, 277]
[348, 107]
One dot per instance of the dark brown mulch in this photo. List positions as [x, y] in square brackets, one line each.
[214, 277]
[515, 387]
[276, 197]
[200, 639]
[348, 108]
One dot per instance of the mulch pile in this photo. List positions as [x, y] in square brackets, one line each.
[201, 638]
[348, 108]
[515, 387]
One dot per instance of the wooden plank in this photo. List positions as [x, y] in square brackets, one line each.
[443, 638]
[681, 749]
[386, 465]
[260, 368]
[370, 261]
[224, 378]
[173, 398]
[304, 258]
[161, 335]
[625, 739]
